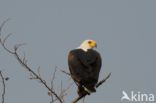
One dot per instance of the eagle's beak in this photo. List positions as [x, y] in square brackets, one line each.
[95, 45]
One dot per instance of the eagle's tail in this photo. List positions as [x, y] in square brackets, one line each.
[82, 90]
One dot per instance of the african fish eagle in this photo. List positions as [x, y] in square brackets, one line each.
[84, 65]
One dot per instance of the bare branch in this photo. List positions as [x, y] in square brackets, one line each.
[3, 43]
[103, 80]
[35, 74]
[65, 72]
[3, 82]
[2, 25]
[63, 91]
[53, 78]
[4, 40]
[23, 61]
[52, 86]
[97, 85]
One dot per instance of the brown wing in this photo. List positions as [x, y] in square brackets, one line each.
[84, 66]
[75, 66]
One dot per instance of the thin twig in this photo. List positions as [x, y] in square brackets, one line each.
[63, 92]
[102, 81]
[63, 71]
[3, 82]
[52, 85]
[2, 25]
[36, 75]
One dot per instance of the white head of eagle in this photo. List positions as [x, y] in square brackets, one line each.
[84, 65]
[88, 44]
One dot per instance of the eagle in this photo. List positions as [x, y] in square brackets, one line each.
[84, 65]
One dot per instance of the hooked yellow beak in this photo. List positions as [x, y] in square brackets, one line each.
[93, 44]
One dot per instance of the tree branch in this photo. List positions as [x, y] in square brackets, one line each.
[65, 72]
[3, 83]
[63, 91]
[23, 61]
[103, 80]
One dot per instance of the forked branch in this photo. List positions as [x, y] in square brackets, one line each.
[23, 61]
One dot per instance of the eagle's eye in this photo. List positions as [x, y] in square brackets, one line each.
[89, 42]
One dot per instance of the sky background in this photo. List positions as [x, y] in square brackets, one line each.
[125, 31]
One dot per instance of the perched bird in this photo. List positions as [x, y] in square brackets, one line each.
[84, 65]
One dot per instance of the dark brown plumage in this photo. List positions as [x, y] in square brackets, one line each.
[84, 67]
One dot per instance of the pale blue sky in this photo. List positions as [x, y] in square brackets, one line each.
[125, 31]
